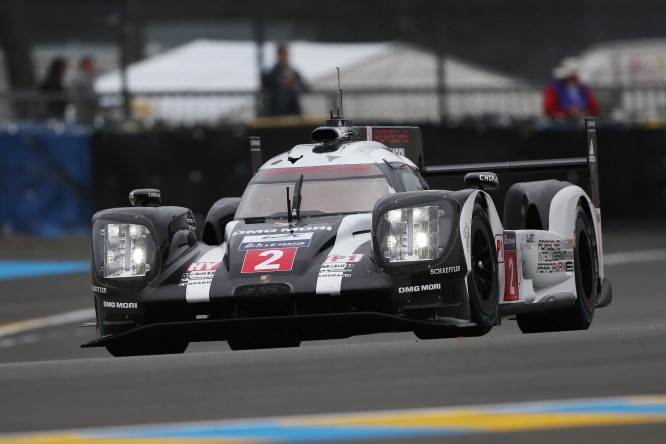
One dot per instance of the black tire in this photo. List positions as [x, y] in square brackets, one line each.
[586, 266]
[482, 282]
[123, 349]
[256, 342]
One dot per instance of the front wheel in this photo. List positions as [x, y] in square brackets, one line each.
[482, 282]
[579, 316]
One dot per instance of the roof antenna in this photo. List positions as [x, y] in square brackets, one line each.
[338, 119]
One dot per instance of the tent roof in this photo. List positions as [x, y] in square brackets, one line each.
[207, 65]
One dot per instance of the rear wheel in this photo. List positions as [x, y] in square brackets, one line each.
[579, 316]
[147, 348]
[255, 342]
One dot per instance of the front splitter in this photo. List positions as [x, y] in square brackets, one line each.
[306, 327]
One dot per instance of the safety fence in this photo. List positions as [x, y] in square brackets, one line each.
[406, 105]
[53, 175]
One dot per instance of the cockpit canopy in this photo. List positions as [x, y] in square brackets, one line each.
[327, 189]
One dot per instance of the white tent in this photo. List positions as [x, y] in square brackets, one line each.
[231, 67]
[631, 62]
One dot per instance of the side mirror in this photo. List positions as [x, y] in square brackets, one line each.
[145, 197]
[482, 181]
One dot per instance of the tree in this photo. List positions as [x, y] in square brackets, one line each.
[16, 42]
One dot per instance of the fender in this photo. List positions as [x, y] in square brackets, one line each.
[495, 226]
[219, 215]
[562, 215]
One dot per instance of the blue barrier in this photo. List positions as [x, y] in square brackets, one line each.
[45, 179]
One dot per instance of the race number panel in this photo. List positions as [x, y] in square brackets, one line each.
[269, 260]
[511, 282]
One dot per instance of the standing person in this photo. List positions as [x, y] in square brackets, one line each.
[566, 97]
[285, 85]
[83, 91]
[54, 89]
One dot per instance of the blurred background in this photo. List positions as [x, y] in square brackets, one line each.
[98, 98]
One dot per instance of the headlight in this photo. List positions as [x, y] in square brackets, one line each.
[127, 250]
[413, 234]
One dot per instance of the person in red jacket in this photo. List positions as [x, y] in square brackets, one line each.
[566, 97]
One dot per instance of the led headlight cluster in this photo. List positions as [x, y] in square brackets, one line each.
[413, 234]
[125, 250]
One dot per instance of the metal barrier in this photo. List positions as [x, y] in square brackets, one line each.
[408, 105]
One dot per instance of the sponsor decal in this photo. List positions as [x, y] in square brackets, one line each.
[511, 282]
[269, 260]
[530, 238]
[199, 273]
[591, 155]
[113, 304]
[398, 151]
[418, 288]
[554, 258]
[499, 247]
[336, 269]
[275, 241]
[97, 289]
[343, 258]
[203, 266]
[555, 267]
[466, 231]
[489, 178]
[200, 277]
[265, 278]
[445, 270]
[284, 230]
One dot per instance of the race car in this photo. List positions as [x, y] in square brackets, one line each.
[342, 236]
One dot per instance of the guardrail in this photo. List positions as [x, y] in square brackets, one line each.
[407, 105]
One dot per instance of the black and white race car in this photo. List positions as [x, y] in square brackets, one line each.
[342, 237]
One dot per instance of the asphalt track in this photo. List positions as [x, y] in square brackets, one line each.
[48, 384]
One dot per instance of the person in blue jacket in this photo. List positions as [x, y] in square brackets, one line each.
[566, 97]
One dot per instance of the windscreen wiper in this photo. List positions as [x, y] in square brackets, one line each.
[296, 208]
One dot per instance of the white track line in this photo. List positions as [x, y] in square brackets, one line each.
[630, 257]
[47, 321]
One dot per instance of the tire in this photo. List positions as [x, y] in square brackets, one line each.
[482, 282]
[586, 267]
[256, 342]
[145, 349]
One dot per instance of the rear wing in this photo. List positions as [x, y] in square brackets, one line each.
[587, 165]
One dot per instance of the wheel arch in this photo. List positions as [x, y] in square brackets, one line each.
[527, 204]
[220, 214]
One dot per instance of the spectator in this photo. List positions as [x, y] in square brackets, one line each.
[54, 90]
[83, 91]
[566, 97]
[284, 85]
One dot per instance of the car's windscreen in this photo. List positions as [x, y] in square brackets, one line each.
[330, 189]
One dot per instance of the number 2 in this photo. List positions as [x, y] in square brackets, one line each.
[512, 282]
[268, 264]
